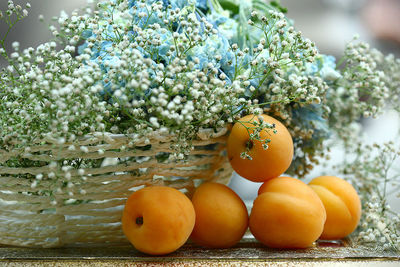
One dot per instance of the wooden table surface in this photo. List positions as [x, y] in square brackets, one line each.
[248, 252]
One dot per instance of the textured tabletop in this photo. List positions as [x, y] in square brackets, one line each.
[247, 253]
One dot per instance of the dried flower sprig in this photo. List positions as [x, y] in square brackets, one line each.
[13, 15]
[372, 170]
[362, 89]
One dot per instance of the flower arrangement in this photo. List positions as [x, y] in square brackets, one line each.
[181, 68]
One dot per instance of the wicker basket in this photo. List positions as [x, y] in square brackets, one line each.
[86, 204]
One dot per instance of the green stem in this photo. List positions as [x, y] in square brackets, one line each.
[2, 43]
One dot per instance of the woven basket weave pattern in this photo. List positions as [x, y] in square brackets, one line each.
[86, 204]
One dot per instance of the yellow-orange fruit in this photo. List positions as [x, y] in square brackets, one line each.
[221, 216]
[342, 205]
[158, 219]
[265, 163]
[287, 214]
[265, 186]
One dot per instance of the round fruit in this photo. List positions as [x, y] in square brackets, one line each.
[342, 204]
[265, 186]
[265, 163]
[221, 216]
[287, 214]
[158, 219]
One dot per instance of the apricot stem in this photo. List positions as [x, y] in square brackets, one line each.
[139, 220]
[249, 144]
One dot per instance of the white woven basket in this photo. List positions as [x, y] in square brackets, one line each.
[87, 203]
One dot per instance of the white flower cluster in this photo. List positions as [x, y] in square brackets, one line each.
[378, 227]
[390, 65]
[53, 97]
[16, 10]
[372, 172]
[364, 89]
[13, 14]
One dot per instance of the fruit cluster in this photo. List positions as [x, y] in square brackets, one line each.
[286, 214]
[158, 220]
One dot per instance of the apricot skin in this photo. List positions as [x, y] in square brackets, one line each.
[158, 220]
[221, 216]
[342, 205]
[287, 214]
[266, 186]
[266, 163]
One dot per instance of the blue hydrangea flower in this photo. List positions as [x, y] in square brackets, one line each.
[201, 4]
[213, 46]
[166, 42]
[328, 70]
[310, 117]
[325, 66]
[206, 52]
[226, 26]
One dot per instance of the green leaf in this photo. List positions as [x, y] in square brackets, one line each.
[231, 5]
[277, 5]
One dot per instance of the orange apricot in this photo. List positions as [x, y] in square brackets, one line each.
[221, 216]
[265, 186]
[342, 205]
[158, 220]
[265, 163]
[287, 214]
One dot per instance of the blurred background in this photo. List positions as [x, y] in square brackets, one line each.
[329, 23]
